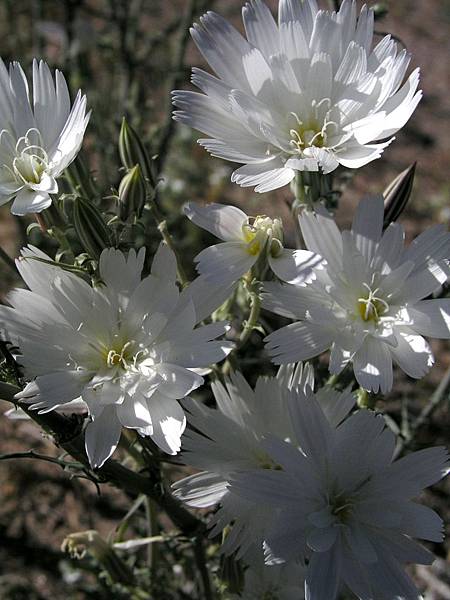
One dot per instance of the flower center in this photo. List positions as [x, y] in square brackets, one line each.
[31, 160]
[314, 131]
[259, 231]
[370, 306]
[342, 507]
[123, 357]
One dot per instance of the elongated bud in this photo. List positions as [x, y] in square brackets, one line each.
[90, 227]
[397, 194]
[132, 152]
[132, 194]
[380, 10]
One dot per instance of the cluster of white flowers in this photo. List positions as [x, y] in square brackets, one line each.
[309, 494]
[305, 94]
[128, 347]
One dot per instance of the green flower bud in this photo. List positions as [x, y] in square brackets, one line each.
[397, 194]
[132, 152]
[132, 194]
[90, 227]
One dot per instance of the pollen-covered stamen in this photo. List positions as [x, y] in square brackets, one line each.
[314, 131]
[342, 508]
[372, 307]
[124, 358]
[259, 230]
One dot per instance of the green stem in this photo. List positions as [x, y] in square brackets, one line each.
[165, 234]
[200, 559]
[252, 321]
[365, 399]
[69, 438]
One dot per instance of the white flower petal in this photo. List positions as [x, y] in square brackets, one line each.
[296, 267]
[205, 296]
[225, 222]
[102, 436]
[263, 176]
[201, 490]
[322, 236]
[372, 365]
[431, 318]
[178, 381]
[298, 341]
[168, 422]
[413, 354]
[323, 576]
[225, 263]
[367, 225]
[164, 265]
[260, 27]
[30, 201]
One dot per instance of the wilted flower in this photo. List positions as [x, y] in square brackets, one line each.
[230, 440]
[128, 347]
[245, 241]
[366, 303]
[345, 506]
[303, 94]
[39, 135]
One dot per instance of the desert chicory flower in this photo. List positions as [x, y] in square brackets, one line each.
[128, 347]
[303, 94]
[247, 240]
[366, 303]
[230, 439]
[345, 506]
[40, 135]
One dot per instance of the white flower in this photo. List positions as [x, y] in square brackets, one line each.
[128, 347]
[345, 506]
[367, 303]
[303, 94]
[245, 241]
[39, 136]
[229, 440]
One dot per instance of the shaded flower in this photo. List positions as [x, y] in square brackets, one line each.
[247, 240]
[128, 347]
[40, 135]
[345, 506]
[303, 94]
[229, 439]
[367, 303]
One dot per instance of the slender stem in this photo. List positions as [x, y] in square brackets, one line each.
[165, 234]
[35, 455]
[8, 260]
[200, 559]
[441, 394]
[252, 321]
[69, 437]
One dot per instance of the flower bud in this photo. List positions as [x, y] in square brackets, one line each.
[77, 544]
[276, 248]
[90, 227]
[132, 152]
[397, 194]
[132, 194]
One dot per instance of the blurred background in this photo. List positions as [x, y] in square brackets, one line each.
[127, 55]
